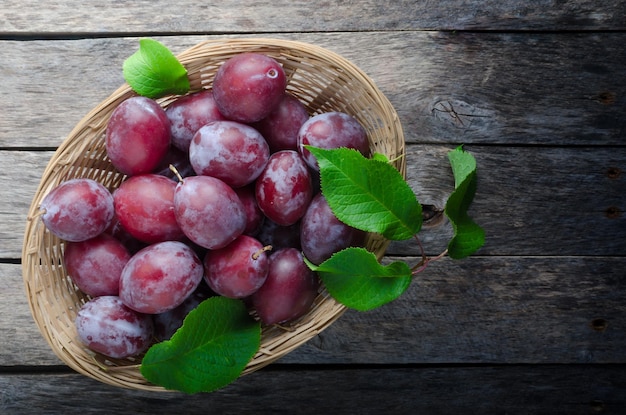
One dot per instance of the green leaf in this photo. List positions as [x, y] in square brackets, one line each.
[153, 71]
[468, 236]
[380, 157]
[210, 350]
[463, 164]
[356, 279]
[368, 194]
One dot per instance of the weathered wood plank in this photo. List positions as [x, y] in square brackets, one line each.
[31, 17]
[487, 390]
[21, 343]
[545, 89]
[22, 176]
[531, 201]
[479, 310]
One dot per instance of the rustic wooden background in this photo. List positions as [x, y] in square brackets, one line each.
[535, 89]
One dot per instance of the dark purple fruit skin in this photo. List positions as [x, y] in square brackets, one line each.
[160, 277]
[331, 130]
[278, 236]
[106, 325]
[280, 128]
[95, 265]
[254, 217]
[209, 211]
[238, 269]
[322, 234]
[284, 189]
[144, 205]
[190, 112]
[231, 151]
[248, 87]
[77, 209]
[138, 136]
[289, 290]
[179, 160]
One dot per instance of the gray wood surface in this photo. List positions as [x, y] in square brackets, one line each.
[34, 18]
[536, 90]
[517, 390]
[447, 87]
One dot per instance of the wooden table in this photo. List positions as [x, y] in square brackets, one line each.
[535, 322]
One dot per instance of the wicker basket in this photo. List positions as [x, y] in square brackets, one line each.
[322, 80]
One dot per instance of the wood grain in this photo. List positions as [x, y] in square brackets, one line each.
[523, 390]
[21, 344]
[22, 178]
[30, 17]
[531, 201]
[479, 88]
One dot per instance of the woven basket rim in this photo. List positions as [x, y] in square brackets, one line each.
[48, 289]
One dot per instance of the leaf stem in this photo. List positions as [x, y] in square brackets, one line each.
[421, 266]
[401, 156]
[422, 252]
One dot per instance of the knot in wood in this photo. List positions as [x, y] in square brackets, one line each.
[459, 113]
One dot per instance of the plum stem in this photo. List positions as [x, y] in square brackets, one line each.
[175, 171]
[258, 253]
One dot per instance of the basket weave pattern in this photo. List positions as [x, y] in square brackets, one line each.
[322, 80]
